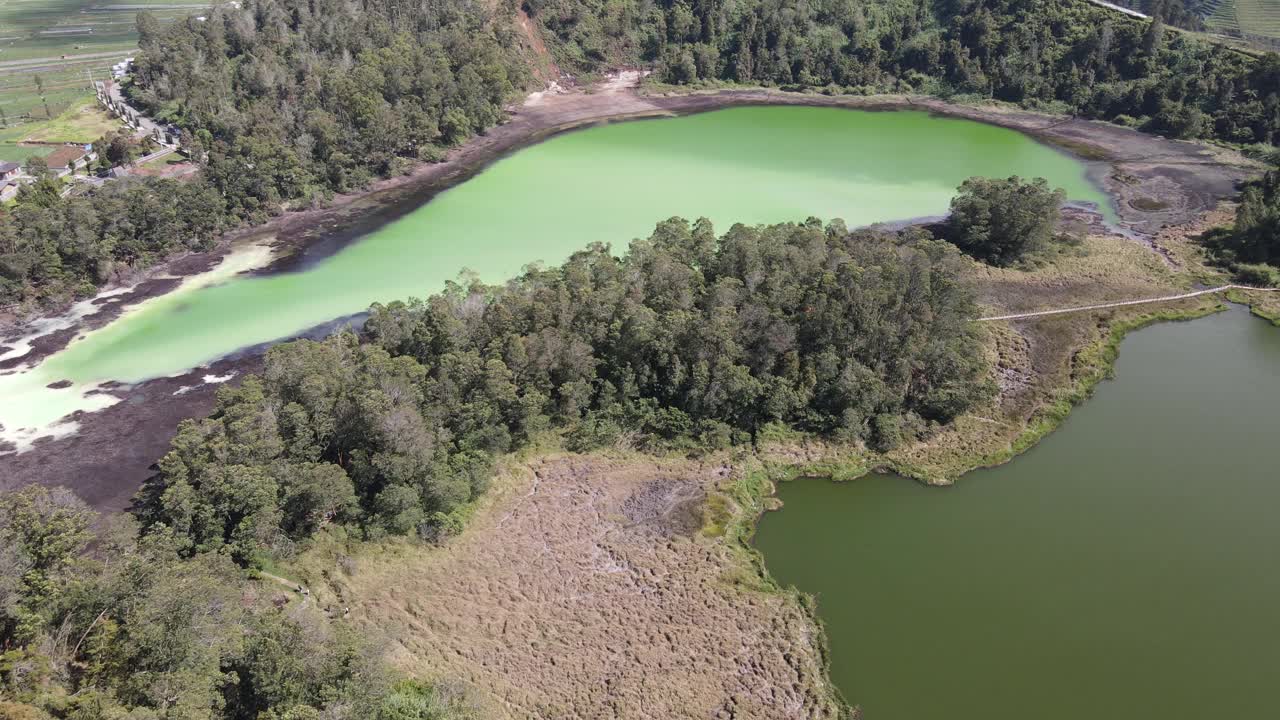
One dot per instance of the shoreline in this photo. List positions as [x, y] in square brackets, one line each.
[304, 237]
[307, 236]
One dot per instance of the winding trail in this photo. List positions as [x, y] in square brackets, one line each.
[1103, 306]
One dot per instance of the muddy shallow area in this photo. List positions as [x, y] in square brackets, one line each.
[1154, 183]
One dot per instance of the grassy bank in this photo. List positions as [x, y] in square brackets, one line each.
[535, 507]
[1095, 364]
[1265, 305]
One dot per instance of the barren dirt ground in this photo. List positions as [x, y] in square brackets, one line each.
[587, 590]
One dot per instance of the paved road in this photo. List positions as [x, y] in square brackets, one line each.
[1117, 8]
[59, 59]
[1104, 306]
[146, 126]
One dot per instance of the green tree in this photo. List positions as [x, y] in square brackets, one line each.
[43, 531]
[121, 149]
[1001, 221]
[44, 100]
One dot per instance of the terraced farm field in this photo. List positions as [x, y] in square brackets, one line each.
[67, 43]
[1259, 17]
[1256, 19]
[1222, 17]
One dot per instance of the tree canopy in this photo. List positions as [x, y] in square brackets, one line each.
[1001, 222]
[687, 340]
[289, 100]
[1061, 55]
[97, 622]
[1251, 246]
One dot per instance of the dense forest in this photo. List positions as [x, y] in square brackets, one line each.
[54, 247]
[1061, 55]
[284, 103]
[291, 100]
[100, 623]
[685, 341]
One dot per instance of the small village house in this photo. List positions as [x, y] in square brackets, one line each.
[9, 171]
[69, 158]
[122, 68]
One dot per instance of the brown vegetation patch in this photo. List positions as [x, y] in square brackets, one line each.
[586, 591]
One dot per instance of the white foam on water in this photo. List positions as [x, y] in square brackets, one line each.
[41, 327]
[208, 380]
[31, 410]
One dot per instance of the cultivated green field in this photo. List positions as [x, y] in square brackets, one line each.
[1259, 17]
[1256, 18]
[67, 44]
[1222, 18]
[33, 29]
[82, 122]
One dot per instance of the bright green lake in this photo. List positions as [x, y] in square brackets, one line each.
[1124, 568]
[608, 183]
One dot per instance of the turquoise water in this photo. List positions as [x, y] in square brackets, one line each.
[606, 184]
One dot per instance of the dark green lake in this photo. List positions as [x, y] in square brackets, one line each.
[1125, 568]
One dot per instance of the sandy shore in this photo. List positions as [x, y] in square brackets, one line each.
[1154, 183]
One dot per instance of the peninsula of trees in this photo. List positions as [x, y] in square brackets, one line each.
[686, 341]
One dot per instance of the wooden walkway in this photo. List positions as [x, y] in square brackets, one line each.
[1104, 306]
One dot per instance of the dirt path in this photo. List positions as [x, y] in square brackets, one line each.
[1104, 306]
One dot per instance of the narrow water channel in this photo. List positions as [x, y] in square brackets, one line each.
[1124, 568]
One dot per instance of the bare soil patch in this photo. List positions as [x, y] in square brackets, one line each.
[587, 590]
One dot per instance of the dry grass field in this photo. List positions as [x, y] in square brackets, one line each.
[587, 588]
